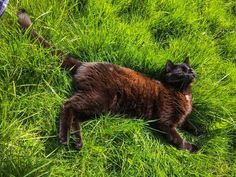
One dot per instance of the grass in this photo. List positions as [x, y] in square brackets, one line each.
[142, 35]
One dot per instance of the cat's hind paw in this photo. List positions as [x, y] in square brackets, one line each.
[78, 145]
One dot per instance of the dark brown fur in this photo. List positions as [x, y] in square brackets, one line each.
[104, 87]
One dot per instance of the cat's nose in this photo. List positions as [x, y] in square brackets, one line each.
[193, 73]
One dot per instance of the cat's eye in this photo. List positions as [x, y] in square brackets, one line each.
[184, 69]
[190, 70]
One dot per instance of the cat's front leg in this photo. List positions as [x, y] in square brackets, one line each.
[189, 127]
[179, 142]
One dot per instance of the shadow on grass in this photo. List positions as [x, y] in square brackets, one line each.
[199, 118]
[51, 145]
[162, 31]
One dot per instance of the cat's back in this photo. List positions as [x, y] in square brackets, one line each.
[97, 75]
[98, 69]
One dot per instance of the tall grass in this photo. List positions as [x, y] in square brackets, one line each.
[142, 35]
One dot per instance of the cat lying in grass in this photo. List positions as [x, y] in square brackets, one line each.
[104, 87]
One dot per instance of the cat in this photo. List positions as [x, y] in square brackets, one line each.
[104, 87]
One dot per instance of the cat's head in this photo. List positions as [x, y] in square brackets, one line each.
[179, 75]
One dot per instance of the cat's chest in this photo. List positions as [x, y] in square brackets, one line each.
[186, 109]
[188, 105]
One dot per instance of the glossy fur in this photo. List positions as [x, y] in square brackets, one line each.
[104, 87]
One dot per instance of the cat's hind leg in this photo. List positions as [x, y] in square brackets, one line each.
[77, 131]
[83, 103]
[66, 118]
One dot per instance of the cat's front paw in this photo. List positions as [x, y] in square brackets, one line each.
[193, 148]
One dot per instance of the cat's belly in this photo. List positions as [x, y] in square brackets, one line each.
[134, 106]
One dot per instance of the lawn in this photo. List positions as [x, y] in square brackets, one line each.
[139, 34]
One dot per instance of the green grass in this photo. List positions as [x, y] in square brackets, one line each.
[142, 35]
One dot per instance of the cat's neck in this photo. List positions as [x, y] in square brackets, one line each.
[185, 90]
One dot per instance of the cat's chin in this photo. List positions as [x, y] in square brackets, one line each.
[189, 79]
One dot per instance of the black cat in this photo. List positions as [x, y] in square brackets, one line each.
[105, 87]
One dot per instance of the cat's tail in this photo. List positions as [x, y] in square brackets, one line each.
[68, 62]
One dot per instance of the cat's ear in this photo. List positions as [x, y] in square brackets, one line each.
[169, 66]
[186, 60]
